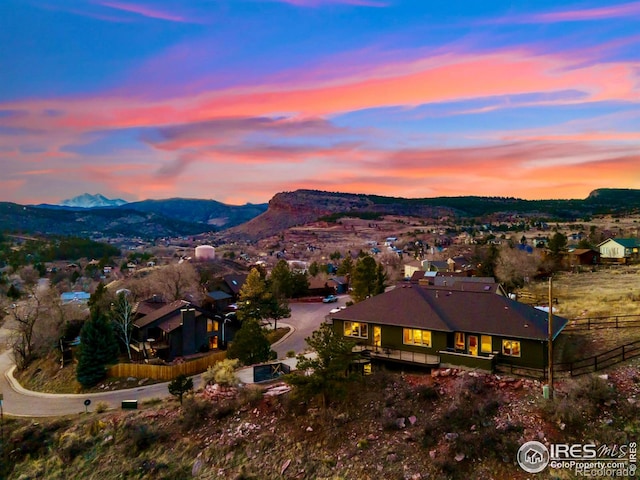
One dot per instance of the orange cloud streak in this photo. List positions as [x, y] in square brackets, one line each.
[449, 78]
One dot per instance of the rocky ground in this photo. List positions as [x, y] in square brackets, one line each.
[391, 425]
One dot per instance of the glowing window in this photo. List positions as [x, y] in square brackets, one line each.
[459, 341]
[511, 348]
[412, 336]
[356, 329]
[213, 343]
[485, 344]
[212, 325]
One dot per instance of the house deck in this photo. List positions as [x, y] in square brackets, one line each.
[391, 354]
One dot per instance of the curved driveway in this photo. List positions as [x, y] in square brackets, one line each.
[305, 318]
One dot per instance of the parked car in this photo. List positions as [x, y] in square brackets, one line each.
[330, 299]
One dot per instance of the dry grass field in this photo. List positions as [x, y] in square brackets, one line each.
[608, 291]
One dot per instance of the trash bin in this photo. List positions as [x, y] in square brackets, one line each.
[545, 391]
[130, 404]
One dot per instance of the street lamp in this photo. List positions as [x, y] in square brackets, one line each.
[224, 322]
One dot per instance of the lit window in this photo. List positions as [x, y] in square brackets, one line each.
[213, 343]
[459, 341]
[511, 348]
[485, 345]
[414, 336]
[356, 329]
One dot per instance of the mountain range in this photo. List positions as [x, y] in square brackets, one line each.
[179, 216]
[87, 200]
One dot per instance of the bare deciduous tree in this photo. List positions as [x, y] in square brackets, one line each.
[122, 317]
[37, 323]
[177, 281]
[24, 317]
[515, 267]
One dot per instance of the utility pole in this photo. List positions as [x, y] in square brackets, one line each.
[550, 340]
[4, 447]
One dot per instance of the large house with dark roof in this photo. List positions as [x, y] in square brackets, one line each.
[456, 325]
[175, 329]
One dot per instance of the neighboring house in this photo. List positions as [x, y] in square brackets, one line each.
[232, 284]
[583, 256]
[217, 301]
[422, 277]
[460, 263]
[75, 297]
[320, 287]
[620, 250]
[411, 267]
[441, 326]
[465, 283]
[436, 266]
[176, 329]
[340, 284]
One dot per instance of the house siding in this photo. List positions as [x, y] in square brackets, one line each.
[188, 331]
[533, 353]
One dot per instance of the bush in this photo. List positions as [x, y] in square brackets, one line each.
[72, 445]
[34, 439]
[194, 413]
[583, 402]
[140, 437]
[222, 373]
[427, 392]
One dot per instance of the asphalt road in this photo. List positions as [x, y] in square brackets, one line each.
[305, 318]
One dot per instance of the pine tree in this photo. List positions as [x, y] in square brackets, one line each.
[98, 348]
[330, 367]
[180, 385]
[250, 344]
[364, 278]
[257, 302]
[281, 284]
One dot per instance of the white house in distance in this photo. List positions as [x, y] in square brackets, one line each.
[620, 250]
[75, 297]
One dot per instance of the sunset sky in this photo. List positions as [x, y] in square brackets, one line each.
[237, 100]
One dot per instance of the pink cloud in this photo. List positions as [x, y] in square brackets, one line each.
[145, 11]
[578, 15]
[452, 77]
[319, 3]
[615, 11]
[246, 134]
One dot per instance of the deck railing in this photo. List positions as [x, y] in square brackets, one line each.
[393, 354]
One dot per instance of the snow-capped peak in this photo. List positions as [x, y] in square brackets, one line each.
[87, 200]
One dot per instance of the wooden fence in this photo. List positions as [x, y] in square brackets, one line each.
[600, 361]
[617, 321]
[165, 372]
[579, 367]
